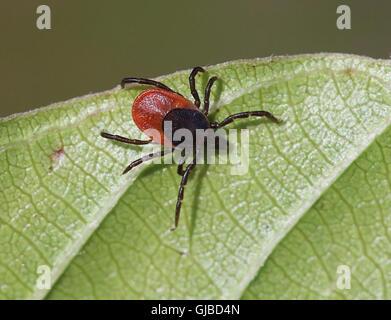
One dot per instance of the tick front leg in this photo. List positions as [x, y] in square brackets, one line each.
[193, 90]
[242, 115]
[182, 161]
[181, 191]
[207, 94]
[123, 139]
[180, 170]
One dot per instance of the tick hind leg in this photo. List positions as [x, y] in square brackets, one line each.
[147, 158]
[241, 115]
[123, 139]
[136, 142]
[146, 81]
[185, 176]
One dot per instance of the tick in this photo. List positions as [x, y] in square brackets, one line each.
[154, 107]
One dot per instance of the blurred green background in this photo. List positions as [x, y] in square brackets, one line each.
[93, 44]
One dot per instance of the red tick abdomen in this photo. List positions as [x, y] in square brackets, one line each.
[151, 106]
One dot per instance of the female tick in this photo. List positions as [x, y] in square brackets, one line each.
[153, 108]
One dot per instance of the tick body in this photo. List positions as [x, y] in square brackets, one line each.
[154, 108]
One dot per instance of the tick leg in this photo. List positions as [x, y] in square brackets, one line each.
[182, 161]
[181, 190]
[180, 170]
[241, 115]
[146, 81]
[207, 94]
[193, 90]
[146, 158]
[123, 139]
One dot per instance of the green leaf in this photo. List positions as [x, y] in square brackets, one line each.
[64, 203]
[347, 231]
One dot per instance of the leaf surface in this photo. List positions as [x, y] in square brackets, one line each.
[64, 203]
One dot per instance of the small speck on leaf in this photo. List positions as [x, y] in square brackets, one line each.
[56, 157]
